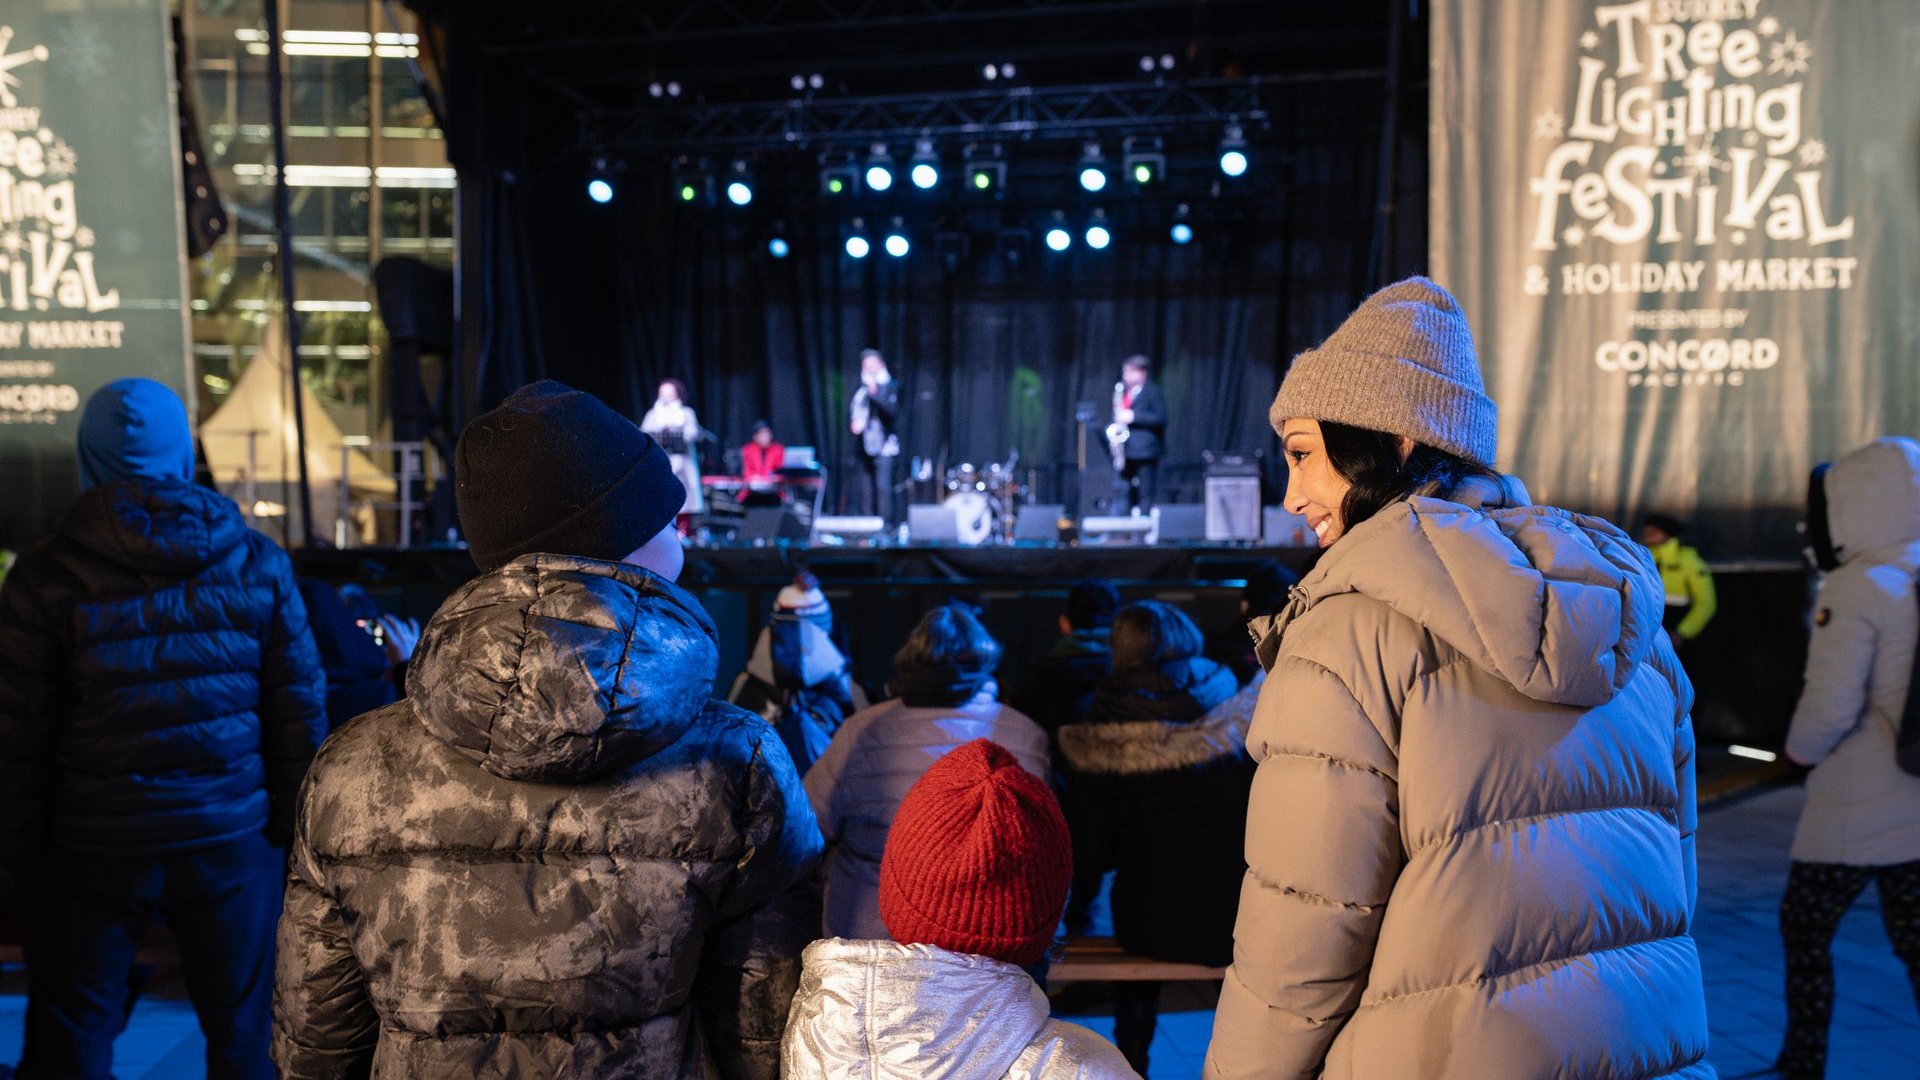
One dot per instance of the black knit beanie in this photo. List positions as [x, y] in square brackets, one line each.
[554, 469]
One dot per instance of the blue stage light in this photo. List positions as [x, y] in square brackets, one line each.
[600, 190]
[1059, 239]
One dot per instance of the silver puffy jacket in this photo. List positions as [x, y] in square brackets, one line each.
[879, 1010]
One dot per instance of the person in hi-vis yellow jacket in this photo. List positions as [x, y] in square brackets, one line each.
[1689, 584]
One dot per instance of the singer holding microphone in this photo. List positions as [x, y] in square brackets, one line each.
[875, 406]
[1137, 436]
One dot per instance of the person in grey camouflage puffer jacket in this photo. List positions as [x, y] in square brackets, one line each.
[557, 857]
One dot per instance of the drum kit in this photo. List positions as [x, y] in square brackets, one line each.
[985, 500]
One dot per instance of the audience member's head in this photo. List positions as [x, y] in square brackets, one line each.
[1268, 584]
[978, 859]
[1090, 606]
[1150, 634]
[949, 636]
[948, 659]
[1657, 529]
[134, 429]
[804, 600]
[555, 470]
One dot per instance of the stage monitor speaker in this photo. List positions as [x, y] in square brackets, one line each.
[1282, 529]
[1233, 507]
[1180, 522]
[772, 523]
[1126, 529]
[851, 528]
[932, 523]
[1038, 521]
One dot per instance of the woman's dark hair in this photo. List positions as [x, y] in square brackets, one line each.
[679, 389]
[1370, 462]
[948, 638]
[1148, 633]
[1091, 605]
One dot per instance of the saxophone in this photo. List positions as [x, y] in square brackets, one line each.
[1117, 432]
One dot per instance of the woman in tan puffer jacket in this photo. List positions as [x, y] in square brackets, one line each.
[1470, 841]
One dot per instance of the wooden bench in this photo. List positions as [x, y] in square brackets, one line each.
[1101, 959]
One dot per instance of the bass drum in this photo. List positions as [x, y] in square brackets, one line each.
[973, 517]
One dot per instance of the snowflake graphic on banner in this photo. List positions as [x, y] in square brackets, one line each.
[1549, 125]
[1789, 55]
[46, 257]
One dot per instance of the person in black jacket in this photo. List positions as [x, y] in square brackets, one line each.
[872, 416]
[1156, 791]
[558, 856]
[1143, 409]
[160, 699]
[1059, 685]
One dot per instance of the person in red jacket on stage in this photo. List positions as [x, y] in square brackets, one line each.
[761, 458]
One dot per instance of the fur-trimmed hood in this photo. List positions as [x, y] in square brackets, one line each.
[1156, 721]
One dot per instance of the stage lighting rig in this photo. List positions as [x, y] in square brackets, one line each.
[986, 170]
[1093, 168]
[879, 168]
[925, 168]
[896, 244]
[857, 246]
[1233, 152]
[691, 184]
[1182, 230]
[600, 181]
[778, 247]
[1097, 236]
[1057, 237]
[1144, 161]
[740, 185]
[838, 174]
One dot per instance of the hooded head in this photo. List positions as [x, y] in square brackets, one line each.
[1872, 498]
[134, 429]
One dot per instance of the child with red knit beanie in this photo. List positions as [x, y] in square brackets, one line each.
[972, 884]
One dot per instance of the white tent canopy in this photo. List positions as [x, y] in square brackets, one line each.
[259, 409]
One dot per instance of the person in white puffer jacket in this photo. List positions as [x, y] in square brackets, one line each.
[1861, 822]
[972, 884]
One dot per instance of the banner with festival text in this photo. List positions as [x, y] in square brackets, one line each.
[92, 242]
[1687, 236]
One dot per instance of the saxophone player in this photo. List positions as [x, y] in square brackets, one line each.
[1138, 436]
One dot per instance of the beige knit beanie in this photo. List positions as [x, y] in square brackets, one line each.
[1402, 363]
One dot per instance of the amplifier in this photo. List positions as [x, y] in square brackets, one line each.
[1233, 505]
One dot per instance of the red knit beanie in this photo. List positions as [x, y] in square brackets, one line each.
[978, 859]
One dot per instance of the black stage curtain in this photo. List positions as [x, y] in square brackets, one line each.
[992, 353]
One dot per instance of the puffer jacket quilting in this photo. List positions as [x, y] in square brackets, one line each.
[878, 1010]
[159, 689]
[558, 857]
[1470, 837]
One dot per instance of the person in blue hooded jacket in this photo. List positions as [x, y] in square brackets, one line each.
[160, 699]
